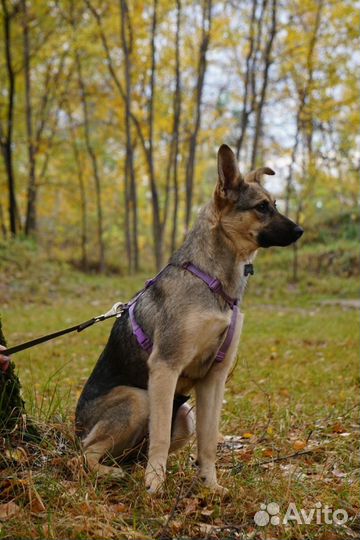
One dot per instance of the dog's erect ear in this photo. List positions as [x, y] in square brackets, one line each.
[230, 178]
[255, 176]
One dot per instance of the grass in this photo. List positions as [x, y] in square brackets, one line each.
[291, 402]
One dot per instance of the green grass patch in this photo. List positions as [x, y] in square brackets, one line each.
[291, 401]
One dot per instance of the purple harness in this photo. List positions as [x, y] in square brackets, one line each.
[214, 285]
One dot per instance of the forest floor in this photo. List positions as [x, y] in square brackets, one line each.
[290, 419]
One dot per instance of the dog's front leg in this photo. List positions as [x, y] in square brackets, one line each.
[209, 398]
[162, 384]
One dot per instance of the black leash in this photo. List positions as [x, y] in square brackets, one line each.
[115, 311]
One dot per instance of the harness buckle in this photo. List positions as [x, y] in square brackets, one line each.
[220, 356]
[144, 342]
[215, 286]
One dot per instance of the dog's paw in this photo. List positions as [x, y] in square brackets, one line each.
[212, 485]
[116, 473]
[219, 490]
[110, 473]
[154, 479]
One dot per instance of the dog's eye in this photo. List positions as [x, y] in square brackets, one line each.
[262, 207]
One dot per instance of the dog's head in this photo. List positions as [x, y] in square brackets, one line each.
[245, 211]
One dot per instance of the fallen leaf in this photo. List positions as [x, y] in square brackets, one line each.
[205, 528]
[176, 526]
[248, 435]
[268, 452]
[191, 506]
[338, 428]
[246, 456]
[207, 512]
[299, 445]
[36, 503]
[9, 510]
[118, 508]
[17, 454]
[337, 473]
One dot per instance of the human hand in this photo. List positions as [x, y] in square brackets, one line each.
[4, 360]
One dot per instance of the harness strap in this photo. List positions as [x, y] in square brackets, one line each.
[214, 285]
[143, 340]
[220, 355]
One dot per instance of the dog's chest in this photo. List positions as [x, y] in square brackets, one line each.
[201, 364]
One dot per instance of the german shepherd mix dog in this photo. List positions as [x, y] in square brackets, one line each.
[182, 332]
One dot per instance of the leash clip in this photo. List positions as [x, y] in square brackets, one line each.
[116, 311]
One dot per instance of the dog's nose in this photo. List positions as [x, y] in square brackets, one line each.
[298, 231]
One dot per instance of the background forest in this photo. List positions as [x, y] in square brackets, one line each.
[111, 114]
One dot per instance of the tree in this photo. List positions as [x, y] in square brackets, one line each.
[129, 171]
[262, 32]
[94, 162]
[125, 107]
[7, 131]
[30, 223]
[193, 139]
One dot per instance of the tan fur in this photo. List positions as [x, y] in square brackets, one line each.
[209, 396]
[101, 441]
[187, 330]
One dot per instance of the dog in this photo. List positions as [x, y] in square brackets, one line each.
[167, 343]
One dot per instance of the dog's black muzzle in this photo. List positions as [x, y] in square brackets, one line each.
[280, 232]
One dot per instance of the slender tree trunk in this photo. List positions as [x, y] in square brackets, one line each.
[176, 127]
[2, 223]
[6, 133]
[83, 198]
[146, 142]
[171, 175]
[302, 100]
[30, 221]
[127, 204]
[157, 233]
[94, 164]
[126, 40]
[261, 103]
[245, 113]
[83, 205]
[202, 65]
